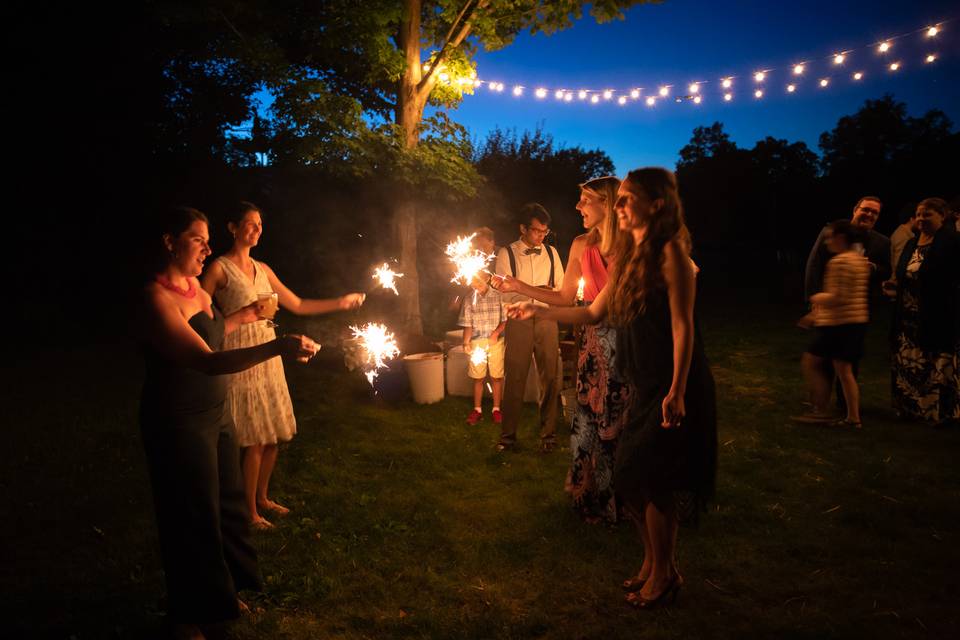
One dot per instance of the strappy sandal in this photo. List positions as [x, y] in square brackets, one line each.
[843, 423]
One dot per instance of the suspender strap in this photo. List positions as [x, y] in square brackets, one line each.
[550, 253]
[513, 261]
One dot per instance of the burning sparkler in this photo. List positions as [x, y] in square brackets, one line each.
[581, 283]
[378, 345]
[387, 277]
[469, 262]
[478, 356]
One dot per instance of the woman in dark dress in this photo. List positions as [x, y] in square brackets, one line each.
[188, 434]
[666, 459]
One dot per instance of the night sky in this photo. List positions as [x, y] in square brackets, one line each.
[681, 41]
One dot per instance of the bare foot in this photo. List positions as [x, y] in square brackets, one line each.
[269, 505]
[259, 523]
[243, 606]
[187, 632]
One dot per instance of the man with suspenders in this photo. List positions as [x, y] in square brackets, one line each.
[537, 264]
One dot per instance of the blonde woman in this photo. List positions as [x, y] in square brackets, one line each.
[601, 393]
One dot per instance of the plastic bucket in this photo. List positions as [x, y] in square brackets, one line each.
[426, 376]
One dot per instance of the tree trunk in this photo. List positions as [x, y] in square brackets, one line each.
[409, 112]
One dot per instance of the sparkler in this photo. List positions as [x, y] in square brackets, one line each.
[581, 283]
[378, 345]
[478, 356]
[387, 277]
[469, 262]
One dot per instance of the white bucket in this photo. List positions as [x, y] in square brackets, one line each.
[426, 376]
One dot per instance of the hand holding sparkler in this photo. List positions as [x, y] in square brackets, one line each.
[469, 262]
[386, 277]
[351, 300]
[505, 284]
[300, 348]
[521, 310]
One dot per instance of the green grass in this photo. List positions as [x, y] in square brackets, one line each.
[406, 524]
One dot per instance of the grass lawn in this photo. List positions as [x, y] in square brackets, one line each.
[407, 524]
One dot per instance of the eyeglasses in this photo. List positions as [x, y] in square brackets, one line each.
[541, 230]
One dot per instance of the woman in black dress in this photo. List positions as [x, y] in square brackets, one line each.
[187, 432]
[666, 459]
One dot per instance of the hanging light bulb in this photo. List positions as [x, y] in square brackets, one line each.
[622, 100]
[607, 94]
[444, 76]
[839, 58]
[559, 94]
[568, 97]
[651, 101]
[518, 90]
[824, 82]
[582, 94]
[697, 99]
[931, 58]
[594, 98]
[791, 88]
[760, 76]
[884, 47]
[728, 97]
[694, 88]
[635, 94]
[758, 93]
[664, 91]
[798, 69]
[895, 66]
[477, 82]
[932, 31]
[727, 83]
[858, 75]
[541, 93]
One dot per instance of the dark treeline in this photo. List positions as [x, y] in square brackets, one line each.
[755, 212]
[117, 121]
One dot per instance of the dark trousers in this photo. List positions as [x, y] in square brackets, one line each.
[524, 338]
[202, 518]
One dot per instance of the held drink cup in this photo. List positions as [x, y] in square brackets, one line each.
[268, 305]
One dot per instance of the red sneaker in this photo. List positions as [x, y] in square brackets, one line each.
[474, 417]
[497, 416]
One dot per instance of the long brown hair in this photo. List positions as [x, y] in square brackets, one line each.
[604, 188]
[639, 267]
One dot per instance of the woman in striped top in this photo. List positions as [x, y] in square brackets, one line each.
[840, 314]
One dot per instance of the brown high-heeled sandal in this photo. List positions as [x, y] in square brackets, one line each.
[667, 596]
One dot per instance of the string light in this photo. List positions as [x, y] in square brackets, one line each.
[694, 90]
[443, 77]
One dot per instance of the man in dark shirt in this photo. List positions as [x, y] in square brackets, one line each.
[876, 248]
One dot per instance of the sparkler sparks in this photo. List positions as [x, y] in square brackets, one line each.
[469, 262]
[378, 345]
[387, 277]
[478, 356]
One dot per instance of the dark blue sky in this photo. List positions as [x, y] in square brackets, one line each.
[684, 40]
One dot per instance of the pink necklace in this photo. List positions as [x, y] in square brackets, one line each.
[165, 282]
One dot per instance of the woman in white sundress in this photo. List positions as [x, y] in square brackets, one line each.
[258, 396]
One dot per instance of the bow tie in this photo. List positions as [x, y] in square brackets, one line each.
[535, 250]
